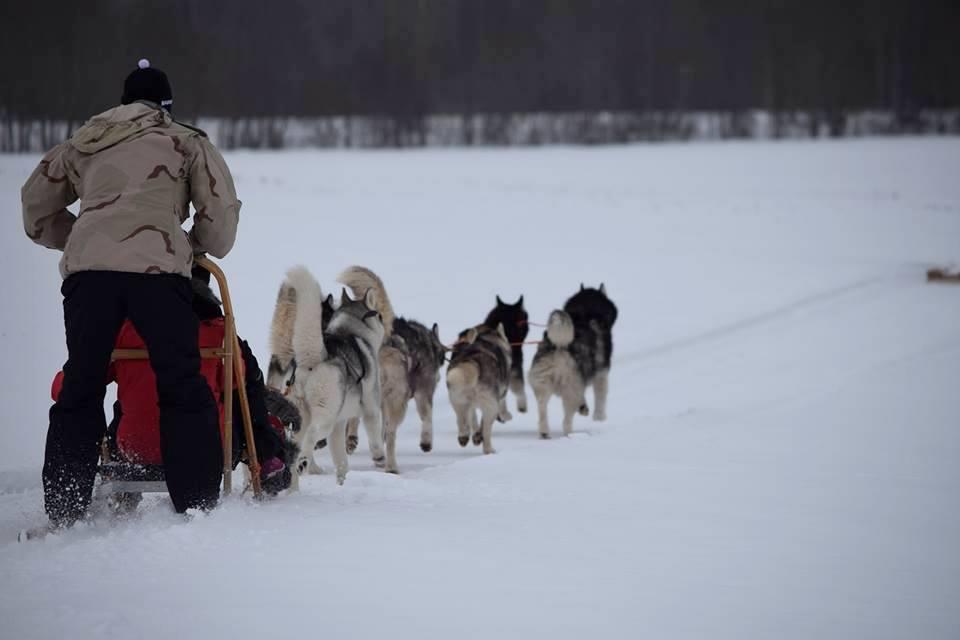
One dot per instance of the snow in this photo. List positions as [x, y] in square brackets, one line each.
[780, 459]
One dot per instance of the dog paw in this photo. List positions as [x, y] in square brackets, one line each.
[506, 416]
[320, 444]
[478, 438]
[380, 462]
[341, 478]
[584, 410]
[392, 470]
[302, 466]
[352, 442]
[544, 436]
[488, 451]
[599, 416]
[463, 440]
[426, 447]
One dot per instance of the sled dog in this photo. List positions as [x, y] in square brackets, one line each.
[575, 353]
[477, 381]
[332, 373]
[282, 334]
[411, 357]
[514, 319]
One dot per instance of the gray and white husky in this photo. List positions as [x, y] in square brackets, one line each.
[477, 380]
[332, 373]
[411, 357]
[575, 353]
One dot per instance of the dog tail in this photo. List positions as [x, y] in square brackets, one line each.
[360, 280]
[308, 346]
[560, 328]
[463, 376]
[281, 327]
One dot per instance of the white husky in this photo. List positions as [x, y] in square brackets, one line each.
[331, 373]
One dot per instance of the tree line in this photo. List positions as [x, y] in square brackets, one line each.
[396, 62]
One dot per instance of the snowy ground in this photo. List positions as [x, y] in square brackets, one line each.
[781, 459]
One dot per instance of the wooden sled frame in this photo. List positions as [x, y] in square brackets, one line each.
[117, 481]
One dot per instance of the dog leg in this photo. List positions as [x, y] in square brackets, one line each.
[503, 414]
[294, 479]
[353, 427]
[487, 430]
[390, 440]
[425, 411]
[571, 404]
[338, 450]
[373, 424]
[304, 440]
[542, 395]
[463, 424]
[475, 428]
[574, 402]
[519, 390]
[600, 388]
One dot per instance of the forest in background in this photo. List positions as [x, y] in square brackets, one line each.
[417, 72]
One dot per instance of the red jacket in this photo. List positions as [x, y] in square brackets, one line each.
[138, 436]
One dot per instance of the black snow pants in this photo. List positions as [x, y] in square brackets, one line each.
[95, 305]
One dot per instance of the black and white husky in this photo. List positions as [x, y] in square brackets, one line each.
[411, 357]
[575, 353]
[332, 373]
[515, 323]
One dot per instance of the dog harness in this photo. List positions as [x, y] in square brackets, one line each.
[347, 350]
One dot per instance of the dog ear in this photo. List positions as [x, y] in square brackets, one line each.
[329, 300]
[503, 334]
[520, 301]
[499, 302]
[603, 289]
[436, 331]
[344, 297]
[369, 299]
[582, 288]
[471, 336]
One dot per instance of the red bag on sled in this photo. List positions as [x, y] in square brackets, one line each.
[138, 435]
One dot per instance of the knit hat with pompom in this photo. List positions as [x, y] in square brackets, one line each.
[147, 83]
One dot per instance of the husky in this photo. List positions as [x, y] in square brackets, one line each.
[575, 353]
[281, 335]
[411, 357]
[331, 374]
[477, 380]
[516, 326]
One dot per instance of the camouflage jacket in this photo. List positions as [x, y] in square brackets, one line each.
[135, 171]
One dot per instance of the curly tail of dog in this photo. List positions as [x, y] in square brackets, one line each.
[360, 280]
[308, 346]
[281, 327]
[560, 329]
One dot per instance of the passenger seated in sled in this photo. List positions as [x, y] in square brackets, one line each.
[134, 433]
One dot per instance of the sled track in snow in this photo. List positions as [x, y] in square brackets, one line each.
[754, 321]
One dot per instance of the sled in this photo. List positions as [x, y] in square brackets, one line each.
[943, 275]
[118, 478]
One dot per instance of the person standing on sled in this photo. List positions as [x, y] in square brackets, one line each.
[135, 171]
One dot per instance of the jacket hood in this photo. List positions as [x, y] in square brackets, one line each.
[118, 124]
